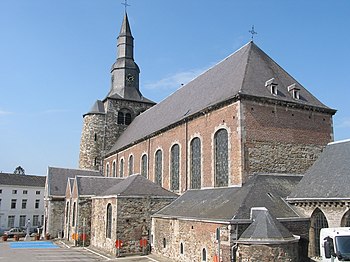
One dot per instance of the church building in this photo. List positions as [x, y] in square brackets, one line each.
[231, 146]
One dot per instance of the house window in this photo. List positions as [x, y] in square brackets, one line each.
[164, 243]
[175, 163]
[158, 167]
[10, 221]
[221, 158]
[35, 220]
[181, 248]
[24, 203]
[127, 118]
[121, 168]
[107, 170]
[131, 165]
[144, 165]
[114, 172]
[13, 203]
[22, 220]
[14, 192]
[37, 192]
[0, 191]
[73, 216]
[95, 137]
[204, 254]
[196, 162]
[109, 221]
[25, 192]
[42, 220]
[272, 85]
[37, 203]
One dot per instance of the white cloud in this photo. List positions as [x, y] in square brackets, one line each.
[175, 81]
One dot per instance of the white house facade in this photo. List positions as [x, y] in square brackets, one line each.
[21, 198]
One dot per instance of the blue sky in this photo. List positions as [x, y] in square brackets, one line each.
[55, 59]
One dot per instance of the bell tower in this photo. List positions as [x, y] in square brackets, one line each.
[109, 118]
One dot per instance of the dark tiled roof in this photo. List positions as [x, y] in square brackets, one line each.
[57, 178]
[92, 186]
[137, 185]
[225, 204]
[329, 177]
[265, 229]
[22, 180]
[242, 73]
[97, 108]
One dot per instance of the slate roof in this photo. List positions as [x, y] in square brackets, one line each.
[329, 177]
[57, 179]
[243, 73]
[234, 203]
[97, 108]
[265, 229]
[92, 186]
[22, 180]
[138, 185]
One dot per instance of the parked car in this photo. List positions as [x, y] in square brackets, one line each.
[15, 231]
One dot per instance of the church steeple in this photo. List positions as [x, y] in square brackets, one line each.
[125, 72]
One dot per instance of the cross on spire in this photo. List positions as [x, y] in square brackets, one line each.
[253, 32]
[125, 4]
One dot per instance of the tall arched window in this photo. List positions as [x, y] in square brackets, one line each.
[120, 119]
[127, 119]
[109, 221]
[73, 216]
[144, 165]
[221, 158]
[175, 167]
[114, 174]
[67, 213]
[318, 221]
[181, 248]
[131, 165]
[196, 163]
[107, 170]
[345, 221]
[158, 167]
[121, 168]
[204, 254]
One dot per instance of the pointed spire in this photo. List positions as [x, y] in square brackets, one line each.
[125, 29]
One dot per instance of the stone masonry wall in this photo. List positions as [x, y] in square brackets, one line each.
[55, 218]
[265, 253]
[131, 222]
[169, 234]
[279, 139]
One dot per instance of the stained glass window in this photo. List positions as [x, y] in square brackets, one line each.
[121, 168]
[109, 221]
[144, 165]
[107, 170]
[131, 165]
[158, 168]
[196, 163]
[221, 158]
[113, 170]
[319, 221]
[175, 163]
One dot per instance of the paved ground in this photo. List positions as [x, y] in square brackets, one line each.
[42, 251]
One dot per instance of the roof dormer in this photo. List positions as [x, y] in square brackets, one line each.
[272, 86]
[294, 91]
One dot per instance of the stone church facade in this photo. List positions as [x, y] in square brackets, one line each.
[242, 121]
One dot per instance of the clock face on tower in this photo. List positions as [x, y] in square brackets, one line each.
[130, 78]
